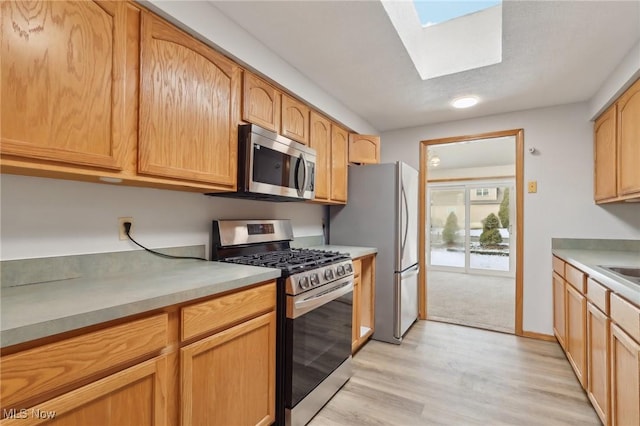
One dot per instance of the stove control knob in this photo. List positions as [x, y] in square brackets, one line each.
[303, 283]
[340, 271]
[315, 280]
[348, 268]
[328, 274]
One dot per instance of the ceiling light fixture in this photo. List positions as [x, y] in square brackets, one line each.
[464, 102]
[434, 160]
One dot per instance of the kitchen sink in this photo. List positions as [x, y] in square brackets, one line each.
[627, 272]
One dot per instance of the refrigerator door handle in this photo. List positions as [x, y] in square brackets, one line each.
[406, 222]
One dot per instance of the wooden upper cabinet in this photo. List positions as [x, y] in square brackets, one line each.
[364, 149]
[320, 140]
[62, 81]
[339, 153]
[189, 107]
[629, 141]
[261, 102]
[295, 120]
[605, 155]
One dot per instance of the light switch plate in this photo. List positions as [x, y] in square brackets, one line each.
[532, 186]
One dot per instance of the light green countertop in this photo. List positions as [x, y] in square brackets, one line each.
[38, 310]
[354, 252]
[591, 261]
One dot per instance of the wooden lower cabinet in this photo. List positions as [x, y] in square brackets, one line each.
[602, 343]
[363, 300]
[598, 383]
[625, 378]
[210, 362]
[229, 378]
[575, 342]
[559, 325]
[132, 397]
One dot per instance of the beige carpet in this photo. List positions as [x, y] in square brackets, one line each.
[473, 300]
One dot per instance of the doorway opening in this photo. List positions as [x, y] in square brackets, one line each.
[471, 230]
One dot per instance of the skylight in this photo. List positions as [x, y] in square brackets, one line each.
[434, 12]
[472, 38]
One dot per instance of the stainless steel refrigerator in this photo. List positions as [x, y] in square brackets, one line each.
[382, 212]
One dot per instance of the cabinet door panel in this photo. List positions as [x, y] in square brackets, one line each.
[188, 107]
[62, 81]
[295, 120]
[339, 152]
[229, 377]
[598, 382]
[629, 141]
[364, 149]
[625, 379]
[576, 333]
[605, 183]
[559, 326]
[320, 140]
[261, 103]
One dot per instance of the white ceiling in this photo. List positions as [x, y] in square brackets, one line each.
[554, 52]
[479, 153]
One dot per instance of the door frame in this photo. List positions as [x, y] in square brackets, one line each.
[519, 152]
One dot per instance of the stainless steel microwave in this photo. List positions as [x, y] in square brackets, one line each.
[272, 167]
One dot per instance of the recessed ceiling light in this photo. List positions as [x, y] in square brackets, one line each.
[464, 102]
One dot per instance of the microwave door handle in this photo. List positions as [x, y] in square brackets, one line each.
[305, 182]
[300, 186]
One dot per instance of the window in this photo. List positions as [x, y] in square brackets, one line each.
[482, 192]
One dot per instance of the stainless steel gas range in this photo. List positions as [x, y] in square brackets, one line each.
[314, 311]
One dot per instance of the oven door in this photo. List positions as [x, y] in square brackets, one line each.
[318, 337]
[281, 167]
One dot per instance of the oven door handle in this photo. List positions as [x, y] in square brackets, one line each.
[301, 307]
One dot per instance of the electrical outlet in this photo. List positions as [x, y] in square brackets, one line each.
[121, 221]
[533, 186]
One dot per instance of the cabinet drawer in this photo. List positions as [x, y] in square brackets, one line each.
[357, 267]
[626, 315]
[227, 310]
[33, 372]
[558, 266]
[598, 295]
[576, 278]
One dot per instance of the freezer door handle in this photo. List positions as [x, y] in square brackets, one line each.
[414, 270]
[397, 307]
[408, 273]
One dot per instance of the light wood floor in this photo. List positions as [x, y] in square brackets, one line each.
[445, 374]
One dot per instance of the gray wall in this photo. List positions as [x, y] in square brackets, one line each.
[563, 207]
[49, 217]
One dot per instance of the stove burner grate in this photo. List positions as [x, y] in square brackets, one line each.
[293, 260]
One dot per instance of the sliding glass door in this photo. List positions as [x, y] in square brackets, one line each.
[471, 227]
